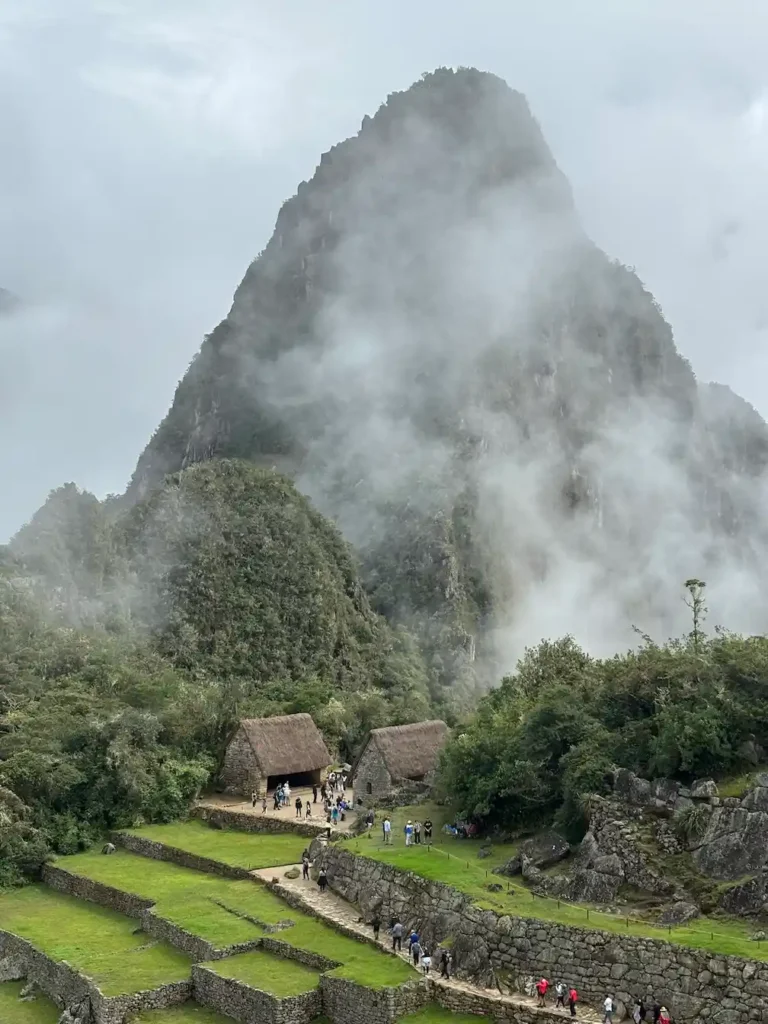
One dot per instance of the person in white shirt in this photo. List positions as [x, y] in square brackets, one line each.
[387, 827]
[608, 1008]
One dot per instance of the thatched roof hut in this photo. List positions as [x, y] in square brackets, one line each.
[264, 750]
[395, 754]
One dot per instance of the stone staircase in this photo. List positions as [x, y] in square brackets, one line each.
[344, 916]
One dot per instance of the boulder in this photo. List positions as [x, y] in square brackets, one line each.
[745, 898]
[590, 886]
[734, 844]
[484, 851]
[292, 873]
[540, 852]
[679, 913]
[494, 887]
[703, 789]
[630, 788]
[756, 799]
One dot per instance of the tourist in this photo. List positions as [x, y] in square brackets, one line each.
[608, 1010]
[331, 781]
[428, 830]
[314, 794]
[299, 805]
[323, 792]
[322, 880]
[573, 998]
[408, 832]
[445, 963]
[413, 937]
[386, 827]
[305, 866]
[426, 961]
[309, 809]
[664, 1016]
[335, 815]
[276, 798]
[541, 989]
[417, 832]
[254, 798]
[286, 792]
[369, 820]
[656, 1011]
[376, 925]
[639, 1011]
[416, 952]
[560, 994]
[397, 936]
[264, 805]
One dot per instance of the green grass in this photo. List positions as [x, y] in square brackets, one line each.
[737, 785]
[36, 1011]
[268, 973]
[239, 849]
[186, 897]
[187, 1013]
[434, 1014]
[455, 862]
[95, 941]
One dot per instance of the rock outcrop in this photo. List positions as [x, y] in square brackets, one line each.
[540, 851]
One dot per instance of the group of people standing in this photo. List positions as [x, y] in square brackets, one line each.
[563, 993]
[568, 994]
[416, 949]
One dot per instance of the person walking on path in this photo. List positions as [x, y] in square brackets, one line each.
[541, 990]
[560, 993]
[322, 880]
[254, 798]
[573, 998]
[386, 827]
[426, 961]
[413, 937]
[664, 1017]
[264, 805]
[369, 820]
[639, 1014]
[309, 809]
[445, 963]
[376, 925]
[305, 866]
[314, 794]
[397, 937]
[656, 1011]
[276, 798]
[428, 830]
[608, 1010]
[408, 832]
[299, 806]
[416, 951]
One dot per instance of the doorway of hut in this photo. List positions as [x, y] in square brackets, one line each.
[296, 780]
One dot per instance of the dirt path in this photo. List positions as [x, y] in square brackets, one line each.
[336, 910]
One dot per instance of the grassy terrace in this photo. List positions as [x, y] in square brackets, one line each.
[95, 941]
[240, 849]
[434, 1014]
[455, 862]
[187, 1013]
[13, 1011]
[207, 906]
[268, 973]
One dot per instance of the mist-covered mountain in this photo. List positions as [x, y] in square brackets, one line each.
[493, 409]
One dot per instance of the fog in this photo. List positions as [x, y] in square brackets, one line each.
[147, 154]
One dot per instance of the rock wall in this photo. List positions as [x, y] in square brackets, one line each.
[302, 956]
[509, 952]
[250, 1005]
[345, 1002]
[160, 851]
[240, 773]
[459, 1000]
[95, 892]
[66, 987]
[371, 771]
[221, 817]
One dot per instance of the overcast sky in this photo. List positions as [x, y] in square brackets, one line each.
[147, 146]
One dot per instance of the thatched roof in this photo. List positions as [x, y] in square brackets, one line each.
[286, 744]
[410, 751]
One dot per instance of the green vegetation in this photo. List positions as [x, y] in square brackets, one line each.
[269, 973]
[454, 862]
[434, 1014]
[132, 638]
[238, 849]
[96, 941]
[552, 733]
[209, 906]
[187, 1013]
[35, 1011]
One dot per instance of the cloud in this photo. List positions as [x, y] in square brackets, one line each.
[148, 147]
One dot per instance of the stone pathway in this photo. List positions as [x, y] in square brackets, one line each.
[337, 911]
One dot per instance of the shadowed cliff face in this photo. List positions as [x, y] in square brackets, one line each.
[495, 412]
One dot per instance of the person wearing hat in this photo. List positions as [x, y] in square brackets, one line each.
[408, 832]
[664, 1016]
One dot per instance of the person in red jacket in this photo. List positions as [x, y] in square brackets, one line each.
[573, 998]
[541, 988]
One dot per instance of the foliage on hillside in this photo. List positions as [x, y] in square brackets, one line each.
[223, 594]
[553, 732]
